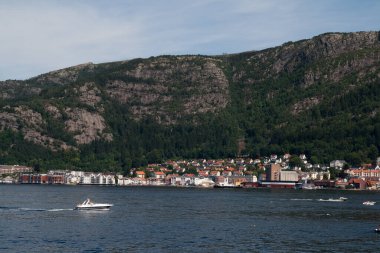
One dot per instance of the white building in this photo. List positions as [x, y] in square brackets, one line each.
[288, 176]
[175, 180]
[187, 179]
[86, 178]
[124, 181]
[337, 164]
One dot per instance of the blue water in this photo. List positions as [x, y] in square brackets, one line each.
[40, 218]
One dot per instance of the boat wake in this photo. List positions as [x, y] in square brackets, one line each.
[60, 210]
[32, 209]
[27, 209]
[302, 199]
[340, 199]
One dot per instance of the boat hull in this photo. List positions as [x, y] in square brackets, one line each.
[92, 208]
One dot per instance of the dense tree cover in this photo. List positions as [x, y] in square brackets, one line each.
[343, 124]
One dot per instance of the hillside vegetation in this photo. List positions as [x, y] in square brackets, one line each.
[319, 97]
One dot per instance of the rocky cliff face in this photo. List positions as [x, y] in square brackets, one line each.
[31, 124]
[292, 56]
[86, 126]
[66, 108]
[325, 59]
[170, 87]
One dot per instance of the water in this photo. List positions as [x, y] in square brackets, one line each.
[39, 218]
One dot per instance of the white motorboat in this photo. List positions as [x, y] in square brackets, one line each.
[341, 199]
[369, 203]
[89, 205]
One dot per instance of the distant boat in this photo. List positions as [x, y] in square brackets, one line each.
[340, 199]
[377, 230]
[310, 187]
[369, 203]
[89, 205]
[226, 186]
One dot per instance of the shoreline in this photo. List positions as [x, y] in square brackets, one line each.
[190, 186]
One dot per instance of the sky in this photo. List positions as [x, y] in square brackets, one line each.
[44, 35]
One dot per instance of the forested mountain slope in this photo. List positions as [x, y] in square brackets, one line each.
[318, 96]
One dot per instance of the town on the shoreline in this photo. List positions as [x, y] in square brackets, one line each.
[286, 171]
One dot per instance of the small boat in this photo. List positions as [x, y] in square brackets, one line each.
[310, 187]
[222, 185]
[89, 205]
[369, 203]
[341, 199]
[377, 230]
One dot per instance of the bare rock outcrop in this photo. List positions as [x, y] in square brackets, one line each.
[86, 126]
[270, 63]
[289, 56]
[9, 121]
[336, 69]
[46, 141]
[89, 94]
[170, 87]
[31, 118]
[30, 124]
[53, 111]
[305, 104]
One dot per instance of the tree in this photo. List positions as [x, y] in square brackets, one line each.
[373, 153]
[36, 168]
[333, 173]
[295, 161]
[154, 156]
[354, 158]
[314, 159]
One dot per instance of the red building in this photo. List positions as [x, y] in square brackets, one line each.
[358, 183]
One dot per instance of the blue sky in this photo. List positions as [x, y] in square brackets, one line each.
[40, 36]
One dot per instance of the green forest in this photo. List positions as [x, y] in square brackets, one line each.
[343, 122]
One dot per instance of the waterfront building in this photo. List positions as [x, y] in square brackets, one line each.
[11, 169]
[124, 181]
[342, 184]
[140, 174]
[278, 184]
[290, 176]
[8, 180]
[86, 178]
[159, 175]
[174, 179]
[358, 183]
[363, 173]
[187, 179]
[273, 172]
[234, 180]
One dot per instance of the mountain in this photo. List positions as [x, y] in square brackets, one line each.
[319, 97]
